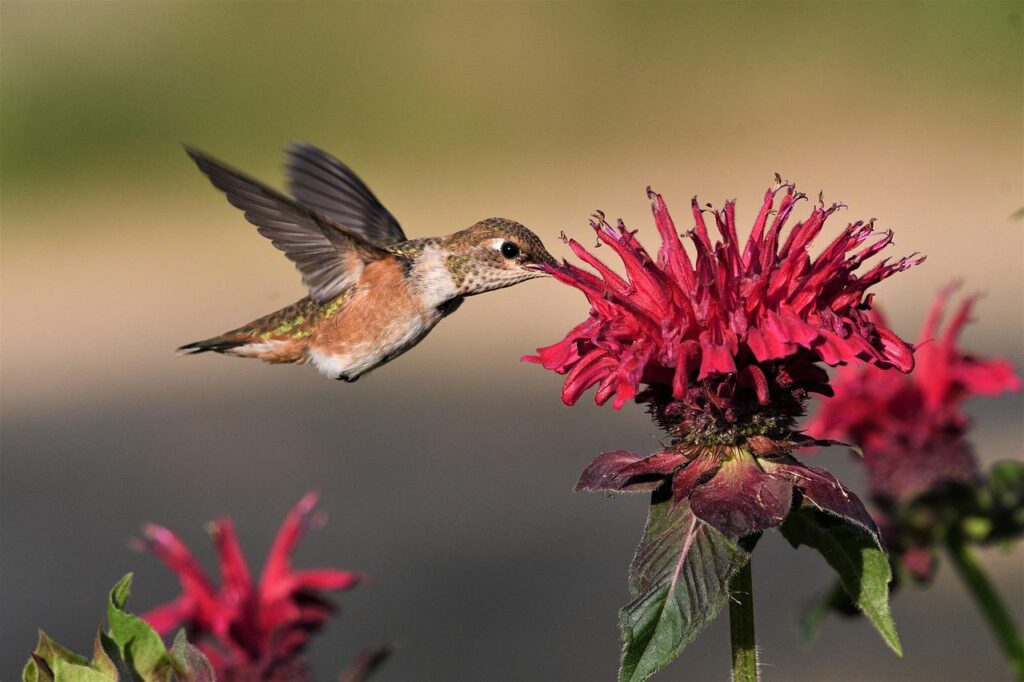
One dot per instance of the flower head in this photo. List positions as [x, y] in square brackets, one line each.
[729, 320]
[250, 630]
[724, 348]
[911, 428]
[912, 431]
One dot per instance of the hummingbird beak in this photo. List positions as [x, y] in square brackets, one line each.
[545, 263]
[543, 268]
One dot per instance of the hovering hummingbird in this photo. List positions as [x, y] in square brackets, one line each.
[373, 294]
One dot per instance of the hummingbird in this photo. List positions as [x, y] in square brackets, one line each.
[373, 293]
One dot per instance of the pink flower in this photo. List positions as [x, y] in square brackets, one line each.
[249, 630]
[911, 427]
[756, 318]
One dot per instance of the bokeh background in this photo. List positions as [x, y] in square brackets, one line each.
[447, 475]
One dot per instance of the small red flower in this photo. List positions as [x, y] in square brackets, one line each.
[763, 313]
[249, 630]
[911, 427]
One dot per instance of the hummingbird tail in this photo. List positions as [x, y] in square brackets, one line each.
[270, 350]
[279, 337]
[217, 344]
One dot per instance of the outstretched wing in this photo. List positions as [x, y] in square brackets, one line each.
[321, 182]
[329, 258]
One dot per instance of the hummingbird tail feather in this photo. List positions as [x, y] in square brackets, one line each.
[275, 351]
[279, 337]
[217, 344]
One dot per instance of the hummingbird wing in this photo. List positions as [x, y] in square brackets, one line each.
[329, 257]
[321, 182]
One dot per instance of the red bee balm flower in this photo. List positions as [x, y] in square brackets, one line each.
[724, 348]
[249, 630]
[676, 322]
[911, 428]
[912, 432]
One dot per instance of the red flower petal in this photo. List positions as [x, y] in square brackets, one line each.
[195, 584]
[279, 560]
[168, 617]
[324, 579]
[234, 572]
[770, 303]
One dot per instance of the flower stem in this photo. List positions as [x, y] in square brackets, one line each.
[991, 605]
[741, 626]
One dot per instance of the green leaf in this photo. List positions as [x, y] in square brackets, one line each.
[101, 659]
[47, 659]
[855, 555]
[36, 670]
[141, 647]
[64, 671]
[50, 651]
[188, 662]
[679, 577]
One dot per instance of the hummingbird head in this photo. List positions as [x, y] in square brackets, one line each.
[493, 254]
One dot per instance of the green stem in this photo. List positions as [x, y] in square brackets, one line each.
[991, 605]
[741, 626]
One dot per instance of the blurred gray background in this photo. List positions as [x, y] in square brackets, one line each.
[447, 475]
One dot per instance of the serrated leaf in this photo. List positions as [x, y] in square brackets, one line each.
[857, 558]
[679, 576]
[141, 647]
[188, 662]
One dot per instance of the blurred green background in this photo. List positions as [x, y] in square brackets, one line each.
[447, 474]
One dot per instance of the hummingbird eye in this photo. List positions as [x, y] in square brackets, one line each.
[509, 250]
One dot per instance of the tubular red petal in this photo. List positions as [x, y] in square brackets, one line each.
[324, 579]
[769, 304]
[591, 368]
[176, 556]
[672, 253]
[168, 617]
[717, 357]
[233, 570]
[279, 561]
[700, 229]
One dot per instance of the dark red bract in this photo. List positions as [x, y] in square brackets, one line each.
[250, 630]
[757, 318]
